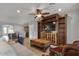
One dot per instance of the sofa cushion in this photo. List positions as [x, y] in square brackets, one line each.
[76, 44]
[58, 49]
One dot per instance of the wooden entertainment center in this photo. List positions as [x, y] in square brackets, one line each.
[57, 34]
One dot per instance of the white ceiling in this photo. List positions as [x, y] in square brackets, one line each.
[9, 15]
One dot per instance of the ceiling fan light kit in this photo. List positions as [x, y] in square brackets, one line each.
[38, 18]
[39, 15]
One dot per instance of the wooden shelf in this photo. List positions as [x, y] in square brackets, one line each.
[61, 24]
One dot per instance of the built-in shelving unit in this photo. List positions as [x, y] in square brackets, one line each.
[60, 28]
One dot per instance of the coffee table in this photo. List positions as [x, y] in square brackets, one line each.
[41, 43]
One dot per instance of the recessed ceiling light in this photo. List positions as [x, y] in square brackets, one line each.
[59, 9]
[18, 11]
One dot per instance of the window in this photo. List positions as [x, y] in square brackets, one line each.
[8, 29]
[4, 30]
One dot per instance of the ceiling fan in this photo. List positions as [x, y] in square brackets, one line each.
[39, 13]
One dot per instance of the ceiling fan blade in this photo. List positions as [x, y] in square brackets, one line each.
[45, 13]
[42, 16]
[31, 14]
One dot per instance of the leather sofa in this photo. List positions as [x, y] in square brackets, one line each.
[66, 50]
[71, 50]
